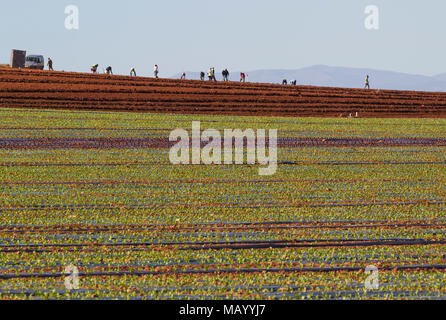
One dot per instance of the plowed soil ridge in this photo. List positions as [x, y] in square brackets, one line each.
[81, 91]
[164, 143]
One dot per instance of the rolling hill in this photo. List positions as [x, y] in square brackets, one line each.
[321, 75]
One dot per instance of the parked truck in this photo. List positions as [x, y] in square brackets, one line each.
[18, 58]
[35, 62]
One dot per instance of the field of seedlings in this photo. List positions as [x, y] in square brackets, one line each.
[80, 91]
[95, 191]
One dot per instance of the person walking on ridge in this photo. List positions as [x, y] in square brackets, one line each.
[202, 76]
[183, 76]
[155, 71]
[367, 83]
[211, 74]
[133, 72]
[109, 70]
[242, 77]
[50, 64]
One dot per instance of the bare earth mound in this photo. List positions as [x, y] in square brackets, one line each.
[80, 91]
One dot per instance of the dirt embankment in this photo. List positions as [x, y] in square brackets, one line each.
[80, 91]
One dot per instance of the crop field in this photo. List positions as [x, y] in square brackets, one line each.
[96, 190]
[78, 91]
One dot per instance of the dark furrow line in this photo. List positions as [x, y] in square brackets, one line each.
[218, 245]
[213, 205]
[210, 181]
[33, 229]
[220, 271]
[135, 164]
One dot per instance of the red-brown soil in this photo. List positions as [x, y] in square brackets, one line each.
[159, 143]
[80, 91]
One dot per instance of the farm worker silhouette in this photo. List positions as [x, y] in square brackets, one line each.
[156, 71]
[293, 82]
[50, 64]
[211, 74]
[133, 72]
[183, 76]
[225, 74]
[94, 68]
[367, 84]
[109, 70]
[202, 76]
[242, 77]
[284, 81]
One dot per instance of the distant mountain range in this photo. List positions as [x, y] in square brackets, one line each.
[321, 75]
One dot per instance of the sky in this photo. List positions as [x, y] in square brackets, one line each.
[193, 35]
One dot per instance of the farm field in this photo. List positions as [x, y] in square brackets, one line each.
[80, 91]
[96, 190]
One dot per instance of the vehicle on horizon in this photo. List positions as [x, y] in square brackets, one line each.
[35, 62]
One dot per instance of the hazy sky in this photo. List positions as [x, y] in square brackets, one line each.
[193, 35]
